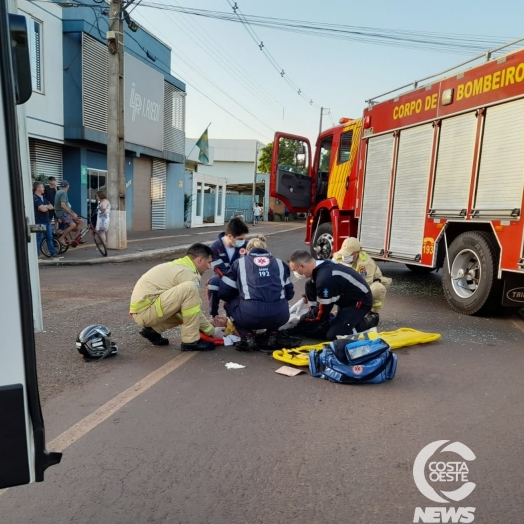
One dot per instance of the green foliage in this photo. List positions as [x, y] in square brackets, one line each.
[288, 156]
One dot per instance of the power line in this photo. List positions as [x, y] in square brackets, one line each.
[217, 53]
[268, 55]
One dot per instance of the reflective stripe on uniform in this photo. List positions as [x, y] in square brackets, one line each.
[353, 281]
[326, 301]
[243, 277]
[158, 307]
[377, 303]
[211, 287]
[229, 282]
[195, 310]
[135, 307]
[186, 261]
[216, 263]
[209, 330]
[281, 269]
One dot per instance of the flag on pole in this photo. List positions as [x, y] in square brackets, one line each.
[203, 145]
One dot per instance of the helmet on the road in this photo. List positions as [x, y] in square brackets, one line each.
[94, 342]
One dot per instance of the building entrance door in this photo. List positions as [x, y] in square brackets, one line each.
[96, 181]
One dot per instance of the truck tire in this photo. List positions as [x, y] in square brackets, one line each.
[472, 287]
[322, 246]
[420, 270]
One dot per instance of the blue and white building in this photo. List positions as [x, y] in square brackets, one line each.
[67, 114]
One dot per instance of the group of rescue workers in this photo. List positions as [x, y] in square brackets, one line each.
[255, 287]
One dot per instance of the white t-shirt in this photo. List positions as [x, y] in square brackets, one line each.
[258, 211]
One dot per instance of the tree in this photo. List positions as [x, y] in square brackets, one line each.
[288, 153]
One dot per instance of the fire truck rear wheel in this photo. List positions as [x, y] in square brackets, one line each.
[470, 284]
[322, 247]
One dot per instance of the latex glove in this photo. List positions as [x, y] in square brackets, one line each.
[219, 332]
[295, 308]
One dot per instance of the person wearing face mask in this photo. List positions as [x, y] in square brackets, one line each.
[256, 290]
[330, 284]
[351, 255]
[226, 249]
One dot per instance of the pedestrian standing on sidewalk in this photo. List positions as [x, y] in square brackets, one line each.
[42, 208]
[257, 213]
[103, 209]
[168, 295]
[286, 214]
[50, 193]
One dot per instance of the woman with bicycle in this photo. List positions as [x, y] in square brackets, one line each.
[103, 210]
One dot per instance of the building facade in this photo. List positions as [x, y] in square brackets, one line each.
[67, 115]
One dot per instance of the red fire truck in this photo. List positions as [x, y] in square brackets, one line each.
[432, 178]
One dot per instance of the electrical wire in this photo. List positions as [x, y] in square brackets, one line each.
[217, 53]
[268, 55]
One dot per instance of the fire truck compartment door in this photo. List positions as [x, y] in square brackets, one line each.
[411, 192]
[501, 173]
[375, 203]
[291, 172]
[454, 164]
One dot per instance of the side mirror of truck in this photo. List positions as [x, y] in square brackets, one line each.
[21, 58]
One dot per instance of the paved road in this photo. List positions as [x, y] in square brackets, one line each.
[205, 444]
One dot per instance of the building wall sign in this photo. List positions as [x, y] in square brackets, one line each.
[143, 104]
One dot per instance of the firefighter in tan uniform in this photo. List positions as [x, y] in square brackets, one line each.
[351, 254]
[168, 296]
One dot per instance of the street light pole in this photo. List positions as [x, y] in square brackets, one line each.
[116, 184]
[321, 113]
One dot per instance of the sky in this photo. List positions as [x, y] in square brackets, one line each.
[219, 60]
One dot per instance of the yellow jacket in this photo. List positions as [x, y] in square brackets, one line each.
[163, 277]
[366, 267]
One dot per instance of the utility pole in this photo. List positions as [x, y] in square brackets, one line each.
[116, 183]
[255, 178]
[321, 113]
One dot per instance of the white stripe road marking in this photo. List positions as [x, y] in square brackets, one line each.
[74, 433]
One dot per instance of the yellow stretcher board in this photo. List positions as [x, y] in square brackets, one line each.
[400, 338]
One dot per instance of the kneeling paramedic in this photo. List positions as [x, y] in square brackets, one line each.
[351, 255]
[333, 284]
[256, 290]
[168, 296]
[226, 249]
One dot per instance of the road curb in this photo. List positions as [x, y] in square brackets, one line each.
[150, 254]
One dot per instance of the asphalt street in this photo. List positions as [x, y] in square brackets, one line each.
[204, 444]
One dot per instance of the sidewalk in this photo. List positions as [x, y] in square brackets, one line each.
[158, 244]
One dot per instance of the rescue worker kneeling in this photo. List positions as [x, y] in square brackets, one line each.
[168, 296]
[256, 290]
[351, 255]
[331, 284]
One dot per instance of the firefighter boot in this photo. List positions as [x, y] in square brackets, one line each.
[199, 345]
[155, 338]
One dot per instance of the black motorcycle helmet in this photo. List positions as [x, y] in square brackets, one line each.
[94, 342]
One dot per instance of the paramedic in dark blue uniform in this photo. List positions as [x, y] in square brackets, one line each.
[256, 291]
[334, 284]
[226, 249]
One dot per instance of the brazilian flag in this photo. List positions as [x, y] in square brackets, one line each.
[203, 145]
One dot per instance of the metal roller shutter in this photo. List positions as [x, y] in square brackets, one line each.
[411, 191]
[94, 83]
[46, 159]
[501, 174]
[454, 165]
[375, 202]
[158, 195]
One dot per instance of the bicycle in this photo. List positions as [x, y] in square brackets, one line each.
[70, 242]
